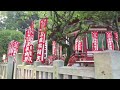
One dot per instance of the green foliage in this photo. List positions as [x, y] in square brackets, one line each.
[8, 35]
[22, 19]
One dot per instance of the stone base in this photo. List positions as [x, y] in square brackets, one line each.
[107, 65]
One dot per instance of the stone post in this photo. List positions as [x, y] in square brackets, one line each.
[19, 58]
[36, 63]
[107, 65]
[56, 65]
[18, 61]
[24, 63]
[10, 67]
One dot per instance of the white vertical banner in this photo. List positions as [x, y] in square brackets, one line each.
[46, 50]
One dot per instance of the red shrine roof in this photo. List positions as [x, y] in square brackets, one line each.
[93, 28]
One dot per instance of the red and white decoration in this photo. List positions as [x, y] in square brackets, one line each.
[41, 41]
[78, 44]
[54, 48]
[60, 51]
[116, 39]
[94, 41]
[28, 46]
[109, 38]
[10, 48]
[13, 48]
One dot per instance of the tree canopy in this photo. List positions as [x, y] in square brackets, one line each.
[22, 19]
[8, 35]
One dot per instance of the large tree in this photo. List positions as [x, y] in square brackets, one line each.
[65, 22]
[61, 27]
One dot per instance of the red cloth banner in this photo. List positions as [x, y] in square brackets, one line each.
[28, 46]
[116, 38]
[32, 25]
[26, 53]
[60, 51]
[30, 53]
[54, 49]
[10, 48]
[94, 41]
[41, 40]
[109, 38]
[78, 44]
[13, 47]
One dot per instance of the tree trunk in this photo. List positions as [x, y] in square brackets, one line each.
[68, 56]
[69, 52]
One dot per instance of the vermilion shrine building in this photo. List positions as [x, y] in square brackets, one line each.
[106, 39]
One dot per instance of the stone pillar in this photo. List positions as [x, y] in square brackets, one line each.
[50, 75]
[107, 65]
[67, 76]
[75, 77]
[23, 71]
[36, 63]
[45, 75]
[18, 61]
[19, 58]
[10, 67]
[24, 63]
[56, 65]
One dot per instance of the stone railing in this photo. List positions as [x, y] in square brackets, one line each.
[106, 66]
[3, 70]
[57, 71]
